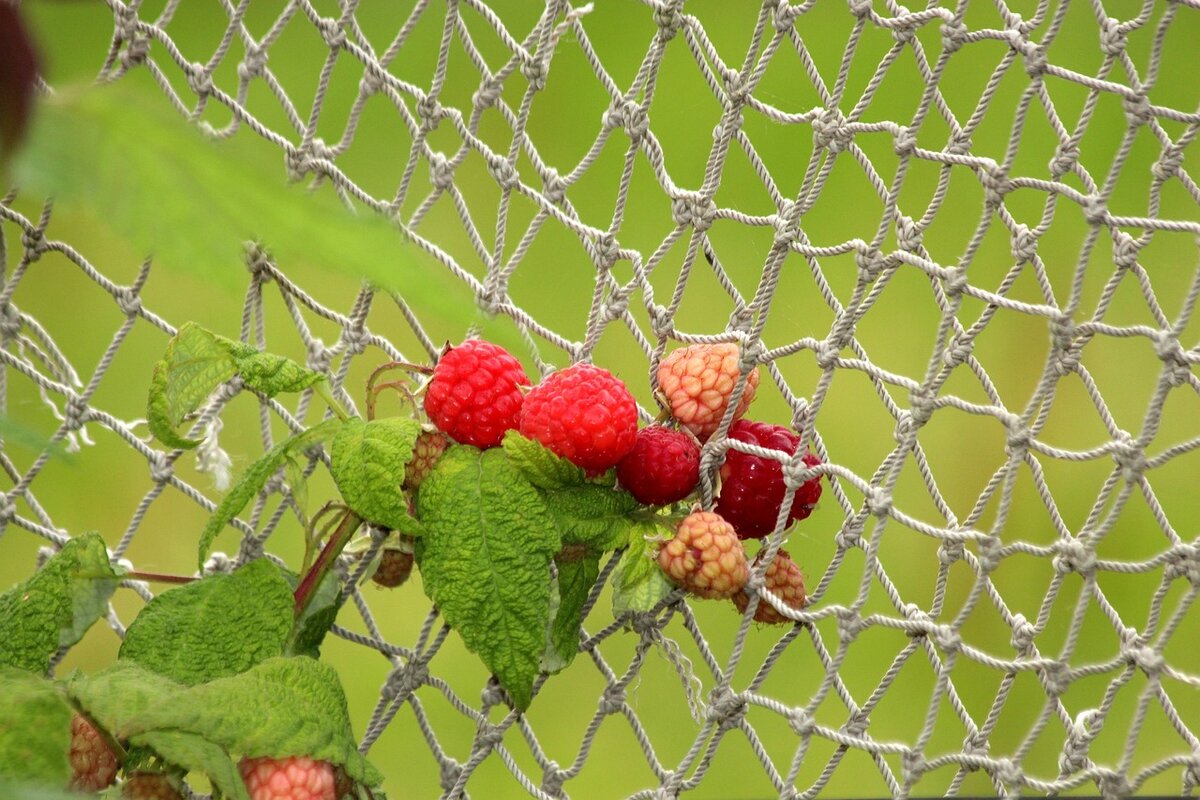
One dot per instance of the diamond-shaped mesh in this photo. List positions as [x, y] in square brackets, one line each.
[971, 290]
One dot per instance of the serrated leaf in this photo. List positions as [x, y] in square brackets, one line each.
[35, 729]
[313, 624]
[485, 560]
[540, 466]
[56, 606]
[218, 626]
[576, 577]
[368, 462]
[256, 476]
[193, 753]
[196, 362]
[281, 707]
[595, 516]
[638, 582]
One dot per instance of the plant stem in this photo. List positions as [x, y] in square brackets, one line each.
[312, 579]
[156, 577]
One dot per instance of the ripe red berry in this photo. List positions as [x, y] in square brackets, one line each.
[149, 786]
[584, 414]
[705, 557]
[752, 488]
[698, 382]
[782, 579]
[663, 466]
[93, 762]
[292, 778]
[475, 393]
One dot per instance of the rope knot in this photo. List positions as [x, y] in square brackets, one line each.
[1184, 562]
[129, 301]
[908, 234]
[955, 281]
[1074, 555]
[786, 227]
[693, 208]
[502, 171]
[831, 130]
[75, 412]
[913, 765]
[860, 8]
[856, 725]
[957, 351]
[355, 339]
[441, 173]
[8, 509]
[725, 707]
[254, 63]
[1019, 438]
[10, 321]
[331, 31]
[954, 35]
[1174, 357]
[1125, 250]
[1079, 740]
[1138, 110]
[535, 71]
[613, 699]
[1113, 786]
[1065, 157]
[737, 89]
[1191, 776]
[849, 624]
[1056, 677]
[430, 112]
[553, 779]
[1062, 341]
[1008, 773]
[990, 551]
[605, 251]
[199, 79]
[1024, 243]
[451, 771]
[33, 242]
[487, 94]
[801, 722]
[627, 114]
[921, 401]
[1168, 163]
[1112, 37]
[1129, 457]
[995, 182]
[1022, 636]
[661, 321]
[850, 536]
[870, 263]
[319, 356]
[218, 563]
[403, 681]
[879, 502]
[785, 16]
[554, 188]
[950, 551]
[161, 468]
[905, 141]
[959, 143]
[668, 18]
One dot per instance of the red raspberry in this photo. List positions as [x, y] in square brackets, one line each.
[705, 557]
[782, 579]
[584, 414]
[698, 381]
[752, 488]
[475, 394]
[293, 778]
[394, 568]
[93, 762]
[149, 786]
[426, 451]
[663, 466]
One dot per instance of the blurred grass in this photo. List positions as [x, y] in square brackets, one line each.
[102, 486]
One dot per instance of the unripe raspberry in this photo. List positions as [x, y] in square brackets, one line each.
[705, 557]
[752, 488]
[426, 451]
[782, 579]
[698, 382]
[475, 393]
[149, 786]
[663, 466]
[93, 763]
[394, 568]
[584, 414]
[292, 778]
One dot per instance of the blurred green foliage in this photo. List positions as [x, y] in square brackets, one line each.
[554, 283]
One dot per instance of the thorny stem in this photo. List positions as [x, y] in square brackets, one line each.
[312, 579]
[373, 392]
[311, 538]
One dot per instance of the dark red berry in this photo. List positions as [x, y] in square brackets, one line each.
[752, 488]
[663, 466]
[475, 393]
[394, 568]
[584, 414]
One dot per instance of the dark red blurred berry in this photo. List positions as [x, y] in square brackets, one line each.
[752, 488]
[663, 466]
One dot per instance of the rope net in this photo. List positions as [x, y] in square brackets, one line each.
[960, 242]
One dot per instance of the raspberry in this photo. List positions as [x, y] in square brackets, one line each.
[584, 414]
[663, 466]
[394, 568]
[426, 451]
[93, 762]
[705, 557]
[293, 778]
[782, 579]
[149, 786]
[752, 488]
[475, 393]
[698, 380]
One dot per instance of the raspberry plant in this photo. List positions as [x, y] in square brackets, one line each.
[506, 504]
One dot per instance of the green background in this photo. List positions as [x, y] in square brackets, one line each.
[100, 487]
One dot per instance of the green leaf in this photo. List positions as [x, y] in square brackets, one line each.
[638, 582]
[540, 466]
[194, 753]
[56, 606]
[319, 615]
[218, 626]
[577, 575]
[281, 707]
[368, 462]
[194, 202]
[196, 362]
[595, 516]
[485, 560]
[34, 790]
[35, 729]
[256, 477]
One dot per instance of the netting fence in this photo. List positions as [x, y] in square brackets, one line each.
[960, 243]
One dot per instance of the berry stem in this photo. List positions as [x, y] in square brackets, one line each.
[373, 390]
[325, 393]
[156, 577]
[312, 579]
